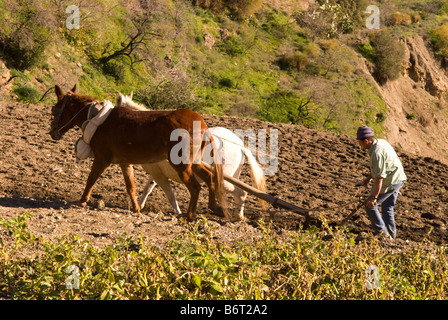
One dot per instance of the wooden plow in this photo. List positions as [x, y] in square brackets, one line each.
[279, 203]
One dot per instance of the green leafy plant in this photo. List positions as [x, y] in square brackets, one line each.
[27, 93]
[439, 38]
[319, 263]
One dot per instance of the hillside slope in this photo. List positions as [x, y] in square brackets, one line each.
[279, 61]
[417, 119]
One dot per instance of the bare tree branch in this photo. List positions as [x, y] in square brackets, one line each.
[139, 39]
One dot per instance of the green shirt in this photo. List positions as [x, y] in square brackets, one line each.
[384, 163]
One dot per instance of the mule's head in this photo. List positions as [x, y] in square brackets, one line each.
[68, 111]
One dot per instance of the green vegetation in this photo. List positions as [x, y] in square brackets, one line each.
[313, 264]
[238, 57]
[439, 37]
[387, 55]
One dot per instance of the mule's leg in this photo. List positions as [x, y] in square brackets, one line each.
[97, 169]
[165, 184]
[194, 187]
[206, 176]
[146, 192]
[240, 196]
[128, 173]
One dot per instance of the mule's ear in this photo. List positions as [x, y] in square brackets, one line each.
[119, 99]
[132, 94]
[59, 93]
[74, 89]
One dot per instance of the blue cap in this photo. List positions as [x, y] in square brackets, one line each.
[364, 132]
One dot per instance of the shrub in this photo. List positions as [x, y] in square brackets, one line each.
[288, 107]
[239, 9]
[439, 39]
[25, 32]
[233, 46]
[170, 94]
[243, 8]
[27, 94]
[293, 61]
[400, 18]
[367, 51]
[355, 9]
[381, 117]
[329, 18]
[227, 83]
[416, 18]
[388, 55]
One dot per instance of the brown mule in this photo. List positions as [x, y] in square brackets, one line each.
[130, 137]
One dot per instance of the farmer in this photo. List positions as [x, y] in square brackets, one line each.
[388, 177]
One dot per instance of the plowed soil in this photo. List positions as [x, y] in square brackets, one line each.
[315, 170]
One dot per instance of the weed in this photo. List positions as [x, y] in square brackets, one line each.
[27, 93]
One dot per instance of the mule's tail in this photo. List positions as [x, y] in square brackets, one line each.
[218, 176]
[257, 175]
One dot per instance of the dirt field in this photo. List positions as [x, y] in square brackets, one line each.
[41, 176]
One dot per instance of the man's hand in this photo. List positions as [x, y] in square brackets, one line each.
[371, 201]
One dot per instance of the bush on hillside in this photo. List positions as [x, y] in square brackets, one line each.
[355, 9]
[288, 107]
[27, 94]
[175, 93]
[298, 60]
[329, 18]
[388, 55]
[25, 31]
[400, 18]
[439, 39]
[293, 61]
[243, 8]
[426, 8]
[367, 50]
[239, 9]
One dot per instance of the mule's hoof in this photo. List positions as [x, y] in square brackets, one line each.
[218, 212]
[83, 204]
[187, 217]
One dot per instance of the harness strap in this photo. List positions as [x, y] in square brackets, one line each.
[64, 103]
[96, 121]
[89, 127]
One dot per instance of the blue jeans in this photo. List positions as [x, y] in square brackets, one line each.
[385, 222]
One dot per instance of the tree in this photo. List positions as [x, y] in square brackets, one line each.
[25, 31]
[140, 36]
